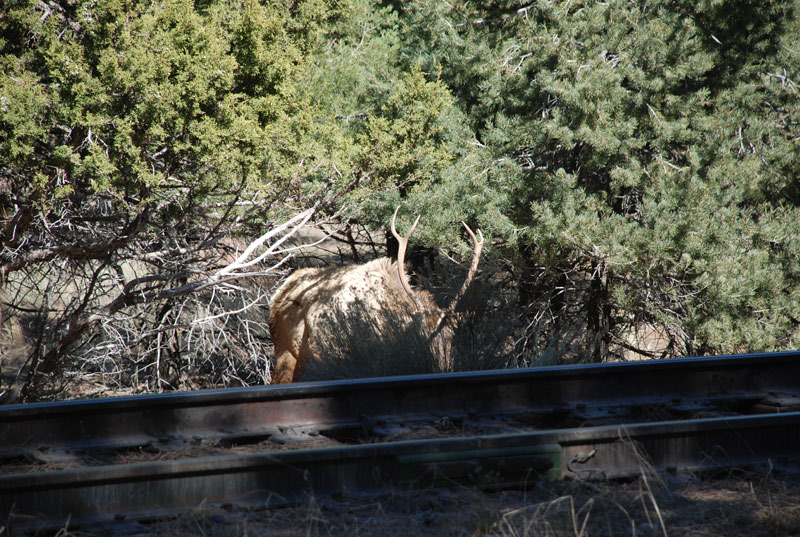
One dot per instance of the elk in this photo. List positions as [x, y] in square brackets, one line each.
[301, 304]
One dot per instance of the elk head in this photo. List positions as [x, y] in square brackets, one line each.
[310, 296]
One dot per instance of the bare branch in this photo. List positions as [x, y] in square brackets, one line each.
[298, 221]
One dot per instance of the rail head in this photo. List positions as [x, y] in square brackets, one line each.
[302, 390]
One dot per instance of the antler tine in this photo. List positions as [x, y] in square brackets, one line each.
[473, 268]
[402, 240]
[401, 255]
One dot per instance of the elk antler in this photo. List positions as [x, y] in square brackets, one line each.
[401, 256]
[473, 268]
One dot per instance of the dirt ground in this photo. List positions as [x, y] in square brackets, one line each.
[739, 504]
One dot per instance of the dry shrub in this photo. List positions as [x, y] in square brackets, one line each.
[212, 338]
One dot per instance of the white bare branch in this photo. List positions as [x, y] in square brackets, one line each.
[244, 261]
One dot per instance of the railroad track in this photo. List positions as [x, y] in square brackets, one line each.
[491, 429]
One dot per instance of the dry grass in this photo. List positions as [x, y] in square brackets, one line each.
[736, 505]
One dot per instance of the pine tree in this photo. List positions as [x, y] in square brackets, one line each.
[637, 160]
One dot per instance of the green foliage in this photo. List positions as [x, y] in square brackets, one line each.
[140, 100]
[404, 144]
[650, 147]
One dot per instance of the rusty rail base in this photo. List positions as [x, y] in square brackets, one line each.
[271, 411]
[112, 493]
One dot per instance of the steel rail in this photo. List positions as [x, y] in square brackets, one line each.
[598, 391]
[115, 493]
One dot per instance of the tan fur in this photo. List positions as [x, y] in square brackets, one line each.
[310, 293]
